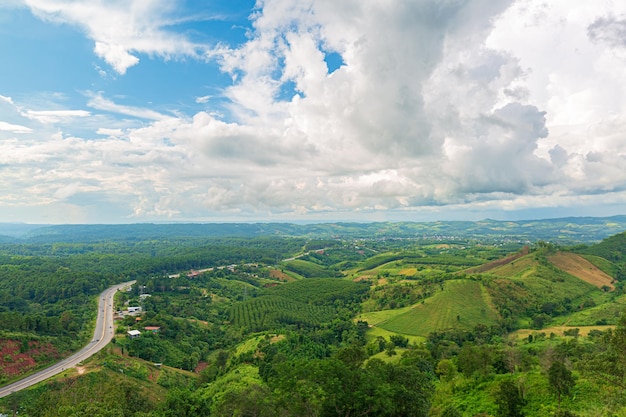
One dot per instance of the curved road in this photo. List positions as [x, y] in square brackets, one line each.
[101, 337]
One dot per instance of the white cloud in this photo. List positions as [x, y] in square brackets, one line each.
[439, 105]
[110, 132]
[100, 103]
[121, 29]
[6, 99]
[53, 116]
[8, 127]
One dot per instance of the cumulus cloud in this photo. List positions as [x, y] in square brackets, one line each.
[436, 104]
[121, 29]
[609, 30]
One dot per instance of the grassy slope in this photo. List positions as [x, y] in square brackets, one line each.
[308, 269]
[462, 304]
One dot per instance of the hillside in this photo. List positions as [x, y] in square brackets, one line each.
[612, 248]
[462, 304]
[581, 268]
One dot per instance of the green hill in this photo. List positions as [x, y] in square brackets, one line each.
[308, 269]
[462, 304]
[612, 248]
[531, 286]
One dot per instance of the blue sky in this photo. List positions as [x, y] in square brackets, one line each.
[125, 111]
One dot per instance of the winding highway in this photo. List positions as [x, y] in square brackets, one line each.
[102, 336]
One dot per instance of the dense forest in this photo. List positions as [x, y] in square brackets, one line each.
[320, 320]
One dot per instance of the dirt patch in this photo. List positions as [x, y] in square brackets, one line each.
[281, 276]
[80, 370]
[18, 357]
[582, 269]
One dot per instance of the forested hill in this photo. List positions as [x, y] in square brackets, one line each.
[612, 248]
[564, 230]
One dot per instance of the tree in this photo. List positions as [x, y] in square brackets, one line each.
[560, 379]
[446, 369]
[509, 400]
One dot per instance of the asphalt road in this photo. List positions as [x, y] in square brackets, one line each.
[102, 336]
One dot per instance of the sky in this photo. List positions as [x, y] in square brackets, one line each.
[128, 111]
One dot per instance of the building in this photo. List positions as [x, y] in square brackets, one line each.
[134, 310]
[133, 334]
[153, 329]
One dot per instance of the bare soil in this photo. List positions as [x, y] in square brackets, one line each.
[581, 268]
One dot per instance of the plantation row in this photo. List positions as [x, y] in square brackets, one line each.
[321, 291]
[267, 311]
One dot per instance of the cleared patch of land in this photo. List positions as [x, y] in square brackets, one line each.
[558, 330]
[281, 276]
[462, 304]
[581, 268]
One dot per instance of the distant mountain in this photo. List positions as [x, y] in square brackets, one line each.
[9, 231]
[571, 230]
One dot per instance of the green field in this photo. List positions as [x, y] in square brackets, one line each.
[462, 304]
[375, 318]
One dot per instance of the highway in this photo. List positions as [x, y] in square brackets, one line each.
[102, 336]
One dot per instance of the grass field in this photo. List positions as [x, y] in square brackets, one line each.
[462, 304]
[581, 268]
[557, 330]
[375, 318]
[248, 345]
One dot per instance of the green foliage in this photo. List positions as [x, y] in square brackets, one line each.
[330, 387]
[104, 393]
[612, 248]
[560, 379]
[509, 399]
